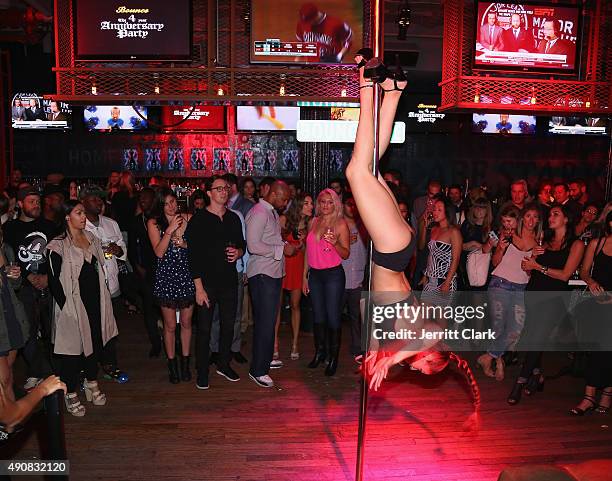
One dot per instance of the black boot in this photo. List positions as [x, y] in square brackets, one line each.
[173, 371]
[334, 349]
[185, 371]
[319, 342]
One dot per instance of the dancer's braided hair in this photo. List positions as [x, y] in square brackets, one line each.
[474, 421]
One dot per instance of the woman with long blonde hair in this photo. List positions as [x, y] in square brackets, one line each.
[327, 244]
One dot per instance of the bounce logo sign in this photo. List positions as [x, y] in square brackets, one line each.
[125, 30]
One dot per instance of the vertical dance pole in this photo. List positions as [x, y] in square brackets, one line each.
[55, 428]
[376, 35]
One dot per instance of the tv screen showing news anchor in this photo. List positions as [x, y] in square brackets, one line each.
[527, 36]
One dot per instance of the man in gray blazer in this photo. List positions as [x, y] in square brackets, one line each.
[18, 110]
[490, 34]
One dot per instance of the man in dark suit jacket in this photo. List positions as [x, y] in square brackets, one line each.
[236, 201]
[490, 34]
[552, 43]
[55, 113]
[516, 39]
[34, 112]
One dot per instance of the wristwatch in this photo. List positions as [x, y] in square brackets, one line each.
[544, 270]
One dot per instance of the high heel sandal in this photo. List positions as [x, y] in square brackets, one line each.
[535, 383]
[295, 355]
[484, 365]
[603, 409]
[73, 404]
[376, 71]
[576, 411]
[93, 393]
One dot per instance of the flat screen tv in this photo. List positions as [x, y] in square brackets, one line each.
[578, 125]
[114, 118]
[345, 113]
[503, 124]
[421, 115]
[297, 31]
[267, 118]
[31, 111]
[118, 31]
[202, 119]
[527, 36]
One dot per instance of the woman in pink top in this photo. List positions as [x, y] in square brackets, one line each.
[327, 244]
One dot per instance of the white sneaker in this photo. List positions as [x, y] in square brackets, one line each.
[31, 383]
[276, 364]
[263, 381]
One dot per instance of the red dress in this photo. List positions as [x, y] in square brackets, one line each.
[294, 266]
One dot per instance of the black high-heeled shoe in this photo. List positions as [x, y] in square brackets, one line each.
[535, 384]
[515, 394]
[366, 54]
[376, 71]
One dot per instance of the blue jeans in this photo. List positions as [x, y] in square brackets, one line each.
[507, 308]
[265, 297]
[327, 293]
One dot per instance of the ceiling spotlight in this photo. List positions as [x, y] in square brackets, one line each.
[403, 20]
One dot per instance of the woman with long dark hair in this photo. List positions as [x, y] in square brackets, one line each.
[445, 244]
[14, 325]
[294, 227]
[596, 271]
[173, 287]
[248, 189]
[83, 320]
[327, 244]
[550, 266]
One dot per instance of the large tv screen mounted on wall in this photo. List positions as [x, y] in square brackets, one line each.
[125, 31]
[527, 36]
[297, 31]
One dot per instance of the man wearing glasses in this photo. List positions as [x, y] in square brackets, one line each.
[216, 234]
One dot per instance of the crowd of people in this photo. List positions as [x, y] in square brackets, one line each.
[239, 253]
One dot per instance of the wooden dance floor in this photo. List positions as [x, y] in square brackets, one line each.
[305, 429]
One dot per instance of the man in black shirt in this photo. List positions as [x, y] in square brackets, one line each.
[143, 260]
[215, 238]
[28, 237]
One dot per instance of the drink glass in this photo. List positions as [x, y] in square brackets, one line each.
[11, 271]
[229, 245]
[328, 246]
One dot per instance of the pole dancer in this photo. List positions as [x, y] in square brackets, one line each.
[390, 236]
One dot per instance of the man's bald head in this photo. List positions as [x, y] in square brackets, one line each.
[278, 195]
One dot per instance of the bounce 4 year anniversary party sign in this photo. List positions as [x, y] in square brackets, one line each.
[133, 30]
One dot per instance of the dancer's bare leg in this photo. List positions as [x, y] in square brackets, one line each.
[376, 203]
